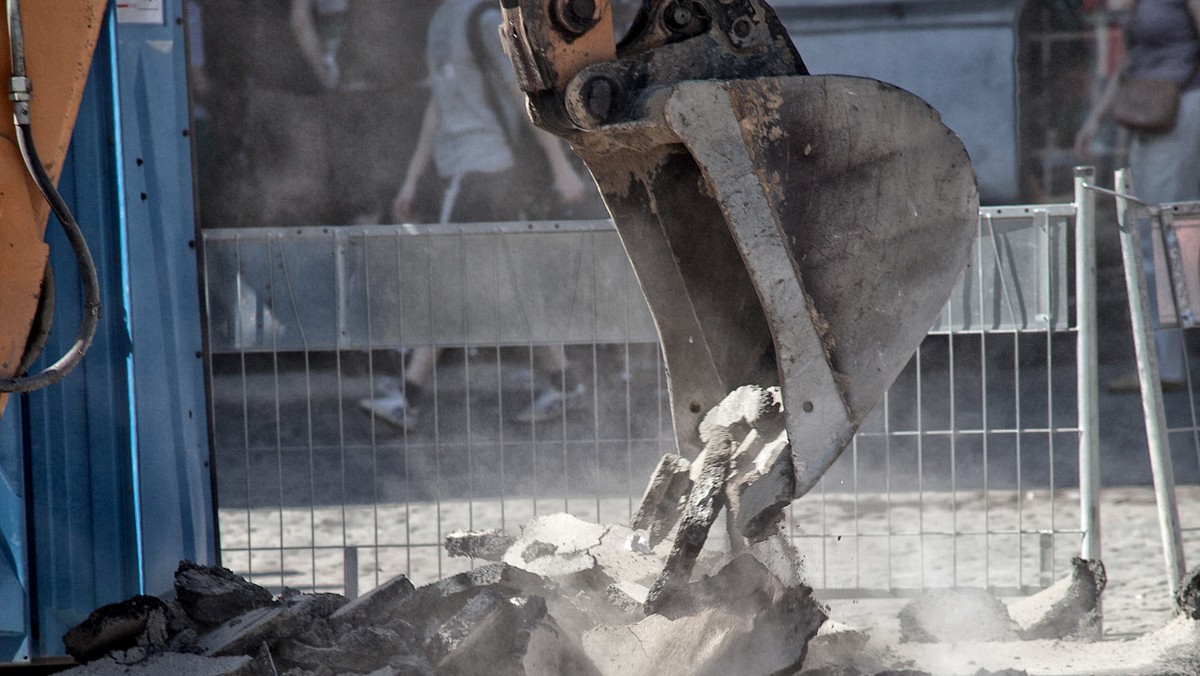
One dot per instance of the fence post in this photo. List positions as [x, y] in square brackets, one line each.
[1087, 386]
[1151, 386]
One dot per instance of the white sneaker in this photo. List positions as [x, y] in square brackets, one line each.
[550, 403]
[392, 409]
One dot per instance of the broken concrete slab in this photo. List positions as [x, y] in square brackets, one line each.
[779, 555]
[115, 626]
[156, 633]
[508, 579]
[482, 637]
[359, 650]
[582, 555]
[956, 615]
[741, 619]
[749, 406]
[431, 605]
[628, 596]
[489, 545]
[841, 649]
[494, 634]
[243, 634]
[212, 595]
[175, 664]
[556, 546]
[662, 501]
[1070, 608]
[759, 496]
[704, 503]
[715, 640]
[376, 605]
[551, 650]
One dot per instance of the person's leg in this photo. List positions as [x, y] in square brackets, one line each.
[400, 403]
[419, 371]
[551, 360]
[561, 389]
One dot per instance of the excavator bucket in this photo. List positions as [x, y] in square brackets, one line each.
[787, 229]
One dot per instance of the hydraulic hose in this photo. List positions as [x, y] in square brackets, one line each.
[19, 92]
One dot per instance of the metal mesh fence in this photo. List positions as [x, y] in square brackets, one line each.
[963, 475]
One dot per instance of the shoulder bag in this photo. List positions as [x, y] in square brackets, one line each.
[1148, 105]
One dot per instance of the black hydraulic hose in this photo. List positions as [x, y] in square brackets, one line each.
[19, 93]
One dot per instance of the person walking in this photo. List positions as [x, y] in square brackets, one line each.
[1162, 40]
[470, 132]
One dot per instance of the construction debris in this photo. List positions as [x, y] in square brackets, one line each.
[840, 649]
[213, 595]
[1187, 597]
[956, 615]
[744, 620]
[662, 503]
[376, 606]
[562, 580]
[175, 664]
[488, 545]
[1070, 608]
[704, 503]
[568, 596]
[116, 626]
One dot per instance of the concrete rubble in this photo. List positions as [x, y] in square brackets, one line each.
[666, 595]
[956, 615]
[1187, 597]
[488, 545]
[213, 595]
[1070, 608]
[563, 585]
[117, 626]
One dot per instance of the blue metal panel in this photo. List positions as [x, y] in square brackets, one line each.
[172, 454]
[84, 543]
[104, 481]
[14, 568]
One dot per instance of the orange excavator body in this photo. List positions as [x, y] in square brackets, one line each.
[59, 39]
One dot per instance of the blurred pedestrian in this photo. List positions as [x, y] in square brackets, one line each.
[1163, 43]
[472, 131]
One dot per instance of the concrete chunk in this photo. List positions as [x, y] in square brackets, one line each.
[493, 634]
[175, 664]
[1070, 608]
[628, 596]
[242, 635]
[376, 605]
[556, 546]
[488, 545]
[116, 626]
[759, 496]
[956, 616]
[431, 605]
[662, 501]
[749, 406]
[733, 632]
[1187, 598]
[482, 637]
[211, 594]
[360, 650]
[550, 650]
[704, 503]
